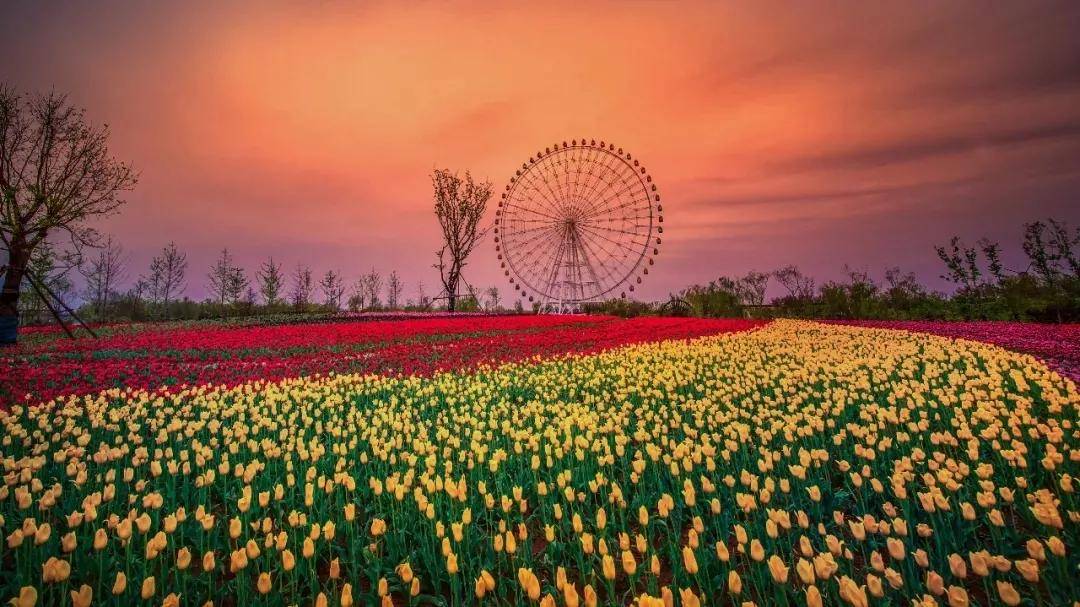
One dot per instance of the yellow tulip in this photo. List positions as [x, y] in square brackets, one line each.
[608, 566]
[529, 583]
[28, 596]
[101, 539]
[757, 551]
[42, 534]
[690, 563]
[734, 582]
[957, 566]
[688, 598]
[957, 597]
[805, 571]
[1007, 593]
[68, 542]
[590, 596]
[378, 527]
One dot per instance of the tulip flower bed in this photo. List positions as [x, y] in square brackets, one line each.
[183, 354]
[797, 464]
[1057, 345]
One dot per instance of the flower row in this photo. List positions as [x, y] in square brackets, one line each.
[229, 355]
[796, 464]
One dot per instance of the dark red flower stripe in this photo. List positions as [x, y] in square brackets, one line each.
[235, 355]
[286, 336]
[1058, 345]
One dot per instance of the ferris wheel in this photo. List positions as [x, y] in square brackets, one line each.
[578, 222]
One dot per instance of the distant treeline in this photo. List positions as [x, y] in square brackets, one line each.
[159, 293]
[1046, 290]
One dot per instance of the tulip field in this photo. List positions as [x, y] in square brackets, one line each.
[537, 460]
[1057, 345]
[153, 355]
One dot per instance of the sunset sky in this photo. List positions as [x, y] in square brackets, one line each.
[816, 133]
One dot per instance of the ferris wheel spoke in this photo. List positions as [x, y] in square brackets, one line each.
[610, 248]
[535, 181]
[537, 248]
[533, 211]
[584, 159]
[557, 193]
[580, 262]
[601, 285]
[550, 202]
[609, 259]
[543, 203]
[524, 241]
[597, 168]
[609, 196]
[605, 206]
[519, 233]
[553, 270]
[605, 176]
[531, 247]
[610, 229]
[620, 243]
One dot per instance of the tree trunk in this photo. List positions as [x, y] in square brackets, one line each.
[9, 296]
[451, 293]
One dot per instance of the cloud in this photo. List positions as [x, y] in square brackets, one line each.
[930, 146]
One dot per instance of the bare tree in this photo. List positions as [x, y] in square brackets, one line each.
[137, 294]
[1049, 247]
[992, 251]
[751, 288]
[333, 289]
[56, 173]
[1063, 242]
[166, 279]
[270, 282]
[50, 268]
[226, 280]
[302, 287]
[372, 285]
[961, 263]
[356, 299]
[393, 290]
[238, 285]
[493, 298]
[459, 207]
[472, 300]
[798, 285]
[422, 299]
[103, 273]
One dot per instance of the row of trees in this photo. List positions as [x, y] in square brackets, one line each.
[57, 176]
[231, 291]
[1046, 288]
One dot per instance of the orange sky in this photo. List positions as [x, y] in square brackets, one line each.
[821, 135]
